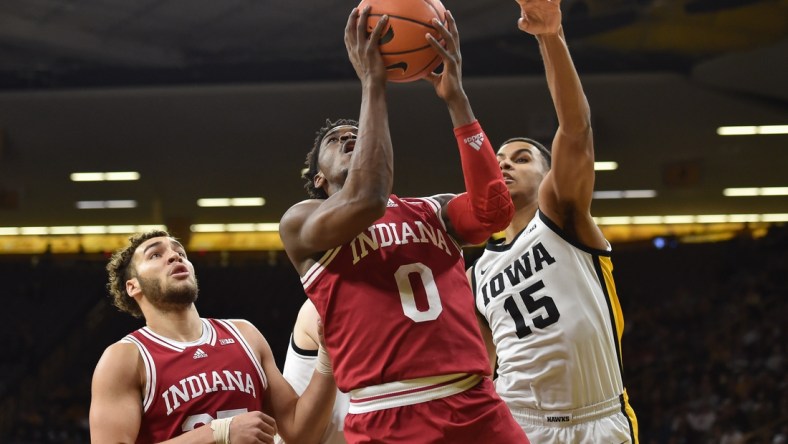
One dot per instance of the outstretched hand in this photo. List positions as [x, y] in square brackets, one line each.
[364, 50]
[447, 83]
[538, 17]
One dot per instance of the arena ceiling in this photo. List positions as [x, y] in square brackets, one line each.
[221, 99]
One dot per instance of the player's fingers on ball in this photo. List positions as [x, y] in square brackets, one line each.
[438, 47]
[351, 22]
[379, 27]
[453, 36]
[361, 25]
[445, 34]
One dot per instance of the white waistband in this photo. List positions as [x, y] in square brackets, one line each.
[409, 392]
[559, 418]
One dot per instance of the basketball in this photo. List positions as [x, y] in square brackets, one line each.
[406, 52]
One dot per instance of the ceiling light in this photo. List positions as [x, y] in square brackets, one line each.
[605, 166]
[647, 220]
[31, 231]
[679, 219]
[59, 231]
[614, 220]
[774, 191]
[712, 218]
[775, 217]
[87, 177]
[240, 227]
[122, 176]
[247, 202]
[222, 202]
[231, 202]
[270, 227]
[752, 130]
[737, 192]
[103, 204]
[90, 204]
[741, 218]
[690, 219]
[625, 194]
[207, 228]
[773, 129]
[753, 191]
[110, 176]
[121, 203]
[85, 229]
[121, 229]
[92, 229]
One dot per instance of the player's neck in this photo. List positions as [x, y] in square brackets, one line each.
[521, 218]
[179, 325]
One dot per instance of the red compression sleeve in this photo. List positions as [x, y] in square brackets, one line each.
[486, 207]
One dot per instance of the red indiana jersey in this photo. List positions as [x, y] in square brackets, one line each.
[395, 301]
[191, 384]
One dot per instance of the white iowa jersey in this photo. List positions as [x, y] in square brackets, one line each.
[555, 318]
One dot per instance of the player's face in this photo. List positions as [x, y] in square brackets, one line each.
[164, 274]
[336, 149]
[523, 168]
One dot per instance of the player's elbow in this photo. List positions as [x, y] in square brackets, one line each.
[498, 210]
[474, 222]
[578, 130]
[370, 206]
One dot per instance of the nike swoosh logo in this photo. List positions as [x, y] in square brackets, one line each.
[401, 65]
[387, 37]
[482, 271]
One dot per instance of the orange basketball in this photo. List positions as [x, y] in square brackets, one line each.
[406, 52]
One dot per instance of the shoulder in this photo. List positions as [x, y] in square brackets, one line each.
[293, 220]
[299, 211]
[435, 202]
[443, 199]
[122, 350]
[251, 334]
[245, 327]
[120, 361]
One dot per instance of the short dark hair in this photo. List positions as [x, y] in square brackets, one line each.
[546, 154]
[121, 270]
[313, 155]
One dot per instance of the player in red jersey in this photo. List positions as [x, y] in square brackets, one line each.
[387, 274]
[183, 378]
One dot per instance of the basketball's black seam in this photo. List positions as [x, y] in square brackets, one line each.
[406, 19]
[410, 50]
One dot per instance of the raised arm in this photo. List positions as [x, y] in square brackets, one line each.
[566, 192]
[354, 205]
[299, 419]
[486, 206]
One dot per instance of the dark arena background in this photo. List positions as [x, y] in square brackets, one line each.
[196, 116]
